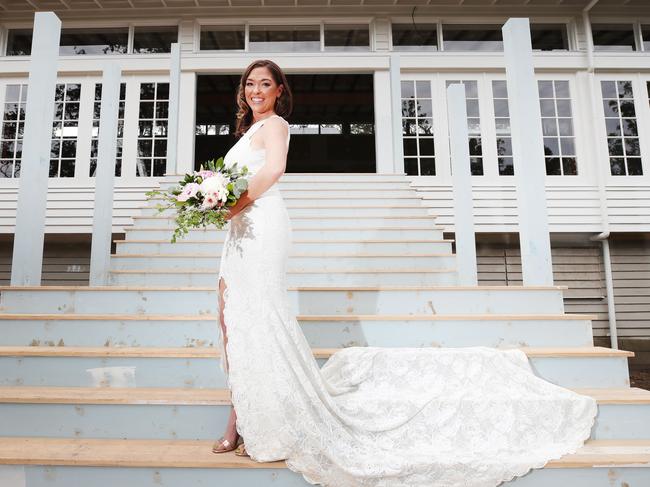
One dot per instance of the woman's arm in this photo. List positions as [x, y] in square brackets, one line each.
[274, 137]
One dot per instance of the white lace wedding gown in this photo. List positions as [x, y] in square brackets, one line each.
[381, 417]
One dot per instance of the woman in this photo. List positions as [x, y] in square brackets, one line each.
[381, 417]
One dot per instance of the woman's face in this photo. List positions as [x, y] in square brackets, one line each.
[261, 91]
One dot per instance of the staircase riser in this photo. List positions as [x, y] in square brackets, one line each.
[328, 201]
[352, 223]
[326, 212]
[331, 184]
[329, 279]
[295, 263]
[183, 247]
[300, 234]
[74, 476]
[440, 301]
[325, 334]
[207, 422]
[205, 372]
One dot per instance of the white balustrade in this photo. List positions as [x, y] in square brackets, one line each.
[528, 152]
[462, 184]
[29, 235]
[100, 252]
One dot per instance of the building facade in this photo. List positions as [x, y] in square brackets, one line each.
[592, 61]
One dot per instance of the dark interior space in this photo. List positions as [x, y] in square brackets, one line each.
[332, 124]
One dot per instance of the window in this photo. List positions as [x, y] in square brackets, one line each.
[13, 126]
[19, 42]
[275, 38]
[347, 37]
[622, 132]
[472, 38]
[97, 106]
[151, 40]
[222, 38]
[557, 128]
[613, 37]
[94, 41]
[411, 37]
[64, 130]
[549, 37]
[502, 126]
[473, 126]
[417, 128]
[152, 129]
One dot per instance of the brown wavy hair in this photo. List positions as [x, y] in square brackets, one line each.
[283, 104]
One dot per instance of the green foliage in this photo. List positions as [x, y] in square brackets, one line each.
[189, 213]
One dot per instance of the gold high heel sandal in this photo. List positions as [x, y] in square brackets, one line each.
[222, 445]
[241, 451]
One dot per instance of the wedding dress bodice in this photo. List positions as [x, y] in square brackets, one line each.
[244, 155]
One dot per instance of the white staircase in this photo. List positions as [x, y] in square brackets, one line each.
[121, 385]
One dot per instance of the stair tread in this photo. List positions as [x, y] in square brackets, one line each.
[341, 317]
[213, 352]
[296, 230]
[203, 396]
[305, 288]
[290, 271]
[320, 241]
[198, 453]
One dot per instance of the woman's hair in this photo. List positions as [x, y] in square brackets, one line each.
[283, 104]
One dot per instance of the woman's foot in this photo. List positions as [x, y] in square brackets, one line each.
[223, 444]
[241, 451]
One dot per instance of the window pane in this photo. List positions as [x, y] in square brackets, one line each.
[407, 37]
[218, 38]
[613, 37]
[154, 39]
[472, 38]
[284, 38]
[19, 42]
[347, 37]
[549, 37]
[93, 41]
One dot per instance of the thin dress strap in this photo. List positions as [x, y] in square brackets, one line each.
[255, 127]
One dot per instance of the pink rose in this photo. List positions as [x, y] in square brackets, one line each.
[189, 191]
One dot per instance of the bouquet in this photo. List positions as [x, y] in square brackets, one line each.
[202, 198]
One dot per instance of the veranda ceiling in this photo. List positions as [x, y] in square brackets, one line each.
[14, 8]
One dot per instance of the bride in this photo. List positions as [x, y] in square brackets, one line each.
[381, 417]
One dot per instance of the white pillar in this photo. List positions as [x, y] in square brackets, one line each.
[383, 122]
[396, 109]
[462, 185]
[174, 94]
[528, 151]
[100, 252]
[187, 123]
[29, 235]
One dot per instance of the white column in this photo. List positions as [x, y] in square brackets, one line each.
[396, 109]
[383, 123]
[462, 185]
[528, 151]
[187, 123]
[174, 93]
[100, 252]
[27, 257]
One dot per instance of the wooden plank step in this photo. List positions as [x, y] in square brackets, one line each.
[216, 397]
[198, 454]
[355, 317]
[213, 352]
[289, 271]
[298, 288]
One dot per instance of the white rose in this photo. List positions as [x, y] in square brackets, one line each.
[214, 184]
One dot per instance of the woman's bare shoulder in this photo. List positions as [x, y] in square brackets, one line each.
[277, 126]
